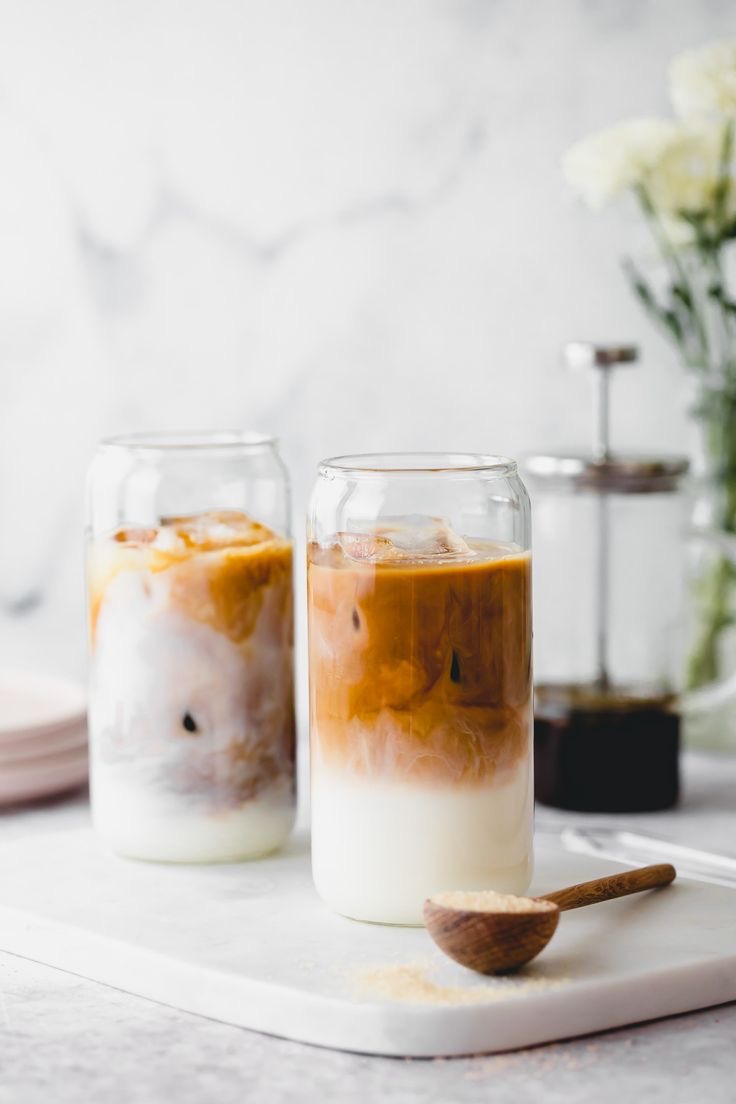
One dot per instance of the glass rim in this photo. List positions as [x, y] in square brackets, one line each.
[418, 463]
[172, 441]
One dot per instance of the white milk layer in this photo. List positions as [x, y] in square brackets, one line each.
[144, 823]
[380, 848]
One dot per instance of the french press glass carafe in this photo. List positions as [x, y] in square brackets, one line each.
[609, 596]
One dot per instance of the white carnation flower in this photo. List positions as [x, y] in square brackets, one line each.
[686, 177]
[605, 165]
[703, 81]
[687, 174]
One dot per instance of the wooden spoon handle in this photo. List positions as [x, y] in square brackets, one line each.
[618, 885]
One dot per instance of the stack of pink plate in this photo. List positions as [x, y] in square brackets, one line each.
[43, 736]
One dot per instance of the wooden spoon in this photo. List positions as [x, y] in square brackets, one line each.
[494, 932]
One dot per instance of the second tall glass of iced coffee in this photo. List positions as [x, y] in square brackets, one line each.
[419, 582]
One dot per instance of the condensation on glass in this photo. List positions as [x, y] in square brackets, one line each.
[420, 680]
[191, 712]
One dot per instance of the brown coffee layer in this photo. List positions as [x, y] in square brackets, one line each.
[420, 669]
[220, 568]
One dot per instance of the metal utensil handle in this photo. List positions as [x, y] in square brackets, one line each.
[633, 848]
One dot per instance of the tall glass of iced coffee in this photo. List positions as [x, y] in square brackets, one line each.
[419, 601]
[191, 705]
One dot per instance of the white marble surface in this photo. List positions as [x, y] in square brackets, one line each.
[67, 1039]
[253, 946]
[343, 221]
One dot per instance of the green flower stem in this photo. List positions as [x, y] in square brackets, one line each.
[713, 593]
[682, 291]
[715, 590]
[698, 316]
[723, 187]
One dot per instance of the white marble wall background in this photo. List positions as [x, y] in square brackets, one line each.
[339, 220]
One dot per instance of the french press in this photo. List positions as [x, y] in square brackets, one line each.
[609, 579]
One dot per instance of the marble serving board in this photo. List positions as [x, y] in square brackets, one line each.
[252, 945]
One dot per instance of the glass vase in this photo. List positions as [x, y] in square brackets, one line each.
[711, 664]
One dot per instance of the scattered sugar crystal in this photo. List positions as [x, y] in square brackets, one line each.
[411, 983]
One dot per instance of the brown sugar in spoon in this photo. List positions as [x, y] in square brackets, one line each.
[494, 932]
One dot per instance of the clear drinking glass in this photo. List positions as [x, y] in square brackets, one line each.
[191, 709]
[420, 680]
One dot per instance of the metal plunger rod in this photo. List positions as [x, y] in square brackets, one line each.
[602, 453]
[601, 636]
[601, 359]
[601, 431]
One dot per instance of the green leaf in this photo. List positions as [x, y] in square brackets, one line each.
[680, 292]
[672, 322]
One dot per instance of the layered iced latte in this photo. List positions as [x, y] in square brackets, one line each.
[420, 684]
[191, 699]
